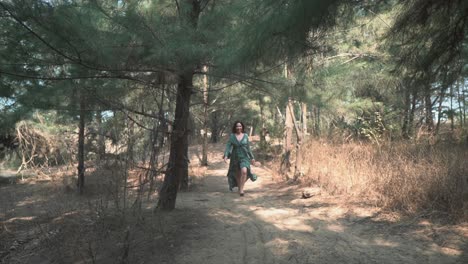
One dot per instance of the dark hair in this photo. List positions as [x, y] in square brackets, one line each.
[234, 127]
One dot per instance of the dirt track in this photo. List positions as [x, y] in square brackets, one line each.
[42, 222]
[272, 224]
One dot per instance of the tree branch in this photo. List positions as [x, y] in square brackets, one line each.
[78, 60]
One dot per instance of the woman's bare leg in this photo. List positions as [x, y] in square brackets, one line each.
[238, 179]
[243, 179]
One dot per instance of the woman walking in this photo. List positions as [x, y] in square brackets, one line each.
[238, 150]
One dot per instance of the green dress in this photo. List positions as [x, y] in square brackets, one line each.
[240, 154]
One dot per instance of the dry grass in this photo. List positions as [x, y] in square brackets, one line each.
[44, 220]
[398, 176]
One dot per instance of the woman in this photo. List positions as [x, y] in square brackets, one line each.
[238, 150]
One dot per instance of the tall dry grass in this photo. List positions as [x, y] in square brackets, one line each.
[398, 176]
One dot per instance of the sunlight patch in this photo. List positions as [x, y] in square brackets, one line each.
[29, 201]
[278, 246]
[385, 243]
[273, 212]
[446, 250]
[335, 228]
[64, 215]
[20, 218]
[337, 212]
[228, 217]
[297, 225]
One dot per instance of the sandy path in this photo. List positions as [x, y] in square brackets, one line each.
[271, 224]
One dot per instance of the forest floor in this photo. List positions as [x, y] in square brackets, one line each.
[270, 224]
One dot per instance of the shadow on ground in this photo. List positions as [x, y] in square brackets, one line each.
[270, 225]
[46, 223]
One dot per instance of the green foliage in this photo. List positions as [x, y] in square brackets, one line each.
[429, 38]
[273, 30]
[369, 127]
[346, 60]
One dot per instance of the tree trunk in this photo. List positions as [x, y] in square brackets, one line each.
[157, 143]
[414, 101]
[275, 114]
[130, 141]
[304, 118]
[184, 180]
[81, 167]
[452, 112]
[178, 165]
[153, 160]
[299, 134]
[428, 108]
[204, 161]
[215, 130]
[406, 114]
[288, 129]
[262, 122]
[464, 102]
[280, 114]
[317, 121]
[439, 110]
[178, 161]
[100, 139]
[461, 100]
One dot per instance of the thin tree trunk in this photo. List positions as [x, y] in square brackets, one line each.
[280, 114]
[463, 101]
[452, 112]
[439, 110]
[81, 167]
[128, 163]
[262, 121]
[177, 165]
[215, 130]
[317, 121]
[460, 107]
[304, 118]
[130, 142]
[153, 162]
[299, 134]
[159, 125]
[275, 114]
[412, 112]
[146, 147]
[406, 113]
[204, 161]
[100, 138]
[428, 108]
[288, 129]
